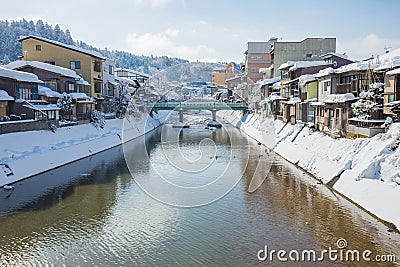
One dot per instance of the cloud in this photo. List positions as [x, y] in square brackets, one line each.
[366, 46]
[160, 44]
[152, 3]
[172, 32]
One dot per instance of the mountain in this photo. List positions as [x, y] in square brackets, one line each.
[11, 49]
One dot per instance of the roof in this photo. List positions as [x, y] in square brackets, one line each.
[19, 75]
[327, 55]
[388, 60]
[133, 72]
[325, 72]
[339, 98]
[71, 47]
[258, 47]
[47, 92]
[393, 103]
[306, 78]
[43, 107]
[79, 95]
[44, 66]
[5, 97]
[357, 66]
[286, 65]
[269, 81]
[306, 64]
[393, 72]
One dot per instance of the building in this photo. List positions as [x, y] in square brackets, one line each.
[56, 78]
[221, 74]
[86, 63]
[310, 49]
[109, 84]
[20, 91]
[257, 56]
[132, 74]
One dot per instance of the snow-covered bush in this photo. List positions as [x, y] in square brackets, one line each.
[362, 109]
[97, 119]
[65, 104]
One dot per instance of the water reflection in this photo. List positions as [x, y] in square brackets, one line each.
[101, 217]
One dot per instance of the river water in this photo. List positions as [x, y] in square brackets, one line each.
[93, 213]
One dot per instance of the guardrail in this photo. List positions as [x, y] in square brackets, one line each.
[198, 105]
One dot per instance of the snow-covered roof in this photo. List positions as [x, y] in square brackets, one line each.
[132, 72]
[79, 96]
[81, 81]
[276, 85]
[47, 92]
[126, 80]
[388, 60]
[393, 72]
[325, 72]
[357, 66]
[43, 107]
[344, 56]
[293, 100]
[393, 103]
[286, 65]
[269, 81]
[71, 47]
[44, 66]
[19, 75]
[339, 98]
[306, 64]
[5, 97]
[306, 78]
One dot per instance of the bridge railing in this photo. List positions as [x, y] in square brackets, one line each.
[199, 105]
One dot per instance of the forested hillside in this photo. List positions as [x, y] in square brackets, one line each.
[10, 48]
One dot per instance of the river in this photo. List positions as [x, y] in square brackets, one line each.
[93, 213]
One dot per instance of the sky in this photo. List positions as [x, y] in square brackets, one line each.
[216, 30]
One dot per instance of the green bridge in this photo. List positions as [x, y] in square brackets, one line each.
[211, 106]
[198, 106]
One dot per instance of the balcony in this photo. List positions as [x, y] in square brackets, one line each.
[343, 88]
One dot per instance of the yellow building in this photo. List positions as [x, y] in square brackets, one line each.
[86, 63]
[220, 75]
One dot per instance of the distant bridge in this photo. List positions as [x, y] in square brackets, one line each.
[198, 106]
[206, 105]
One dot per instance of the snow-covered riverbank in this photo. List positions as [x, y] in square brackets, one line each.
[25, 154]
[369, 169]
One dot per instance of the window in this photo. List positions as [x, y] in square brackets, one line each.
[257, 57]
[71, 87]
[97, 66]
[38, 48]
[110, 70]
[327, 85]
[50, 62]
[74, 65]
[308, 55]
[51, 114]
[25, 93]
[97, 87]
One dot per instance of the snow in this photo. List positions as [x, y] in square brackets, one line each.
[357, 66]
[71, 47]
[306, 64]
[47, 92]
[79, 96]
[19, 75]
[44, 66]
[335, 54]
[5, 97]
[369, 169]
[325, 72]
[393, 72]
[132, 72]
[388, 60]
[50, 150]
[339, 98]
[43, 107]
[306, 78]
[269, 81]
[286, 65]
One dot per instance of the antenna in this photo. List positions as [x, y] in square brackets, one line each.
[387, 49]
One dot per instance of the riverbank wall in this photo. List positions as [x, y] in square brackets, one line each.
[25, 154]
[364, 170]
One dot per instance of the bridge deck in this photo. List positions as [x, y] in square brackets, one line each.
[198, 105]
